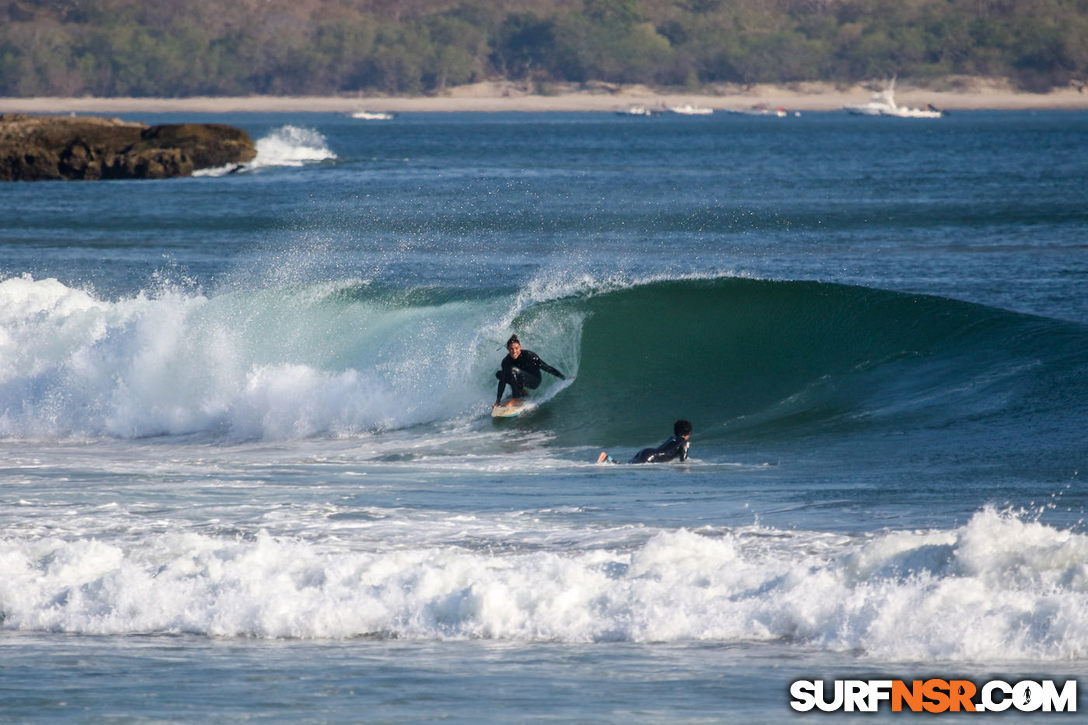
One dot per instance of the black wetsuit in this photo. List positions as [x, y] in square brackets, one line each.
[670, 449]
[522, 373]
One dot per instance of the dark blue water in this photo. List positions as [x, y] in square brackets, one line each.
[247, 471]
[988, 206]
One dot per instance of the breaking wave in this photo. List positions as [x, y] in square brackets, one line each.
[286, 146]
[1001, 587]
[752, 357]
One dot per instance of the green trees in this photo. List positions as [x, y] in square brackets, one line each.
[186, 47]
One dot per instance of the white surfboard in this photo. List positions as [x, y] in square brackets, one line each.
[511, 411]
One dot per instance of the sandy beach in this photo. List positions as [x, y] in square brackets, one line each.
[953, 94]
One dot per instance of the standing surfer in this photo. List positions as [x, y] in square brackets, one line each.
[675, 447]
[521, 370]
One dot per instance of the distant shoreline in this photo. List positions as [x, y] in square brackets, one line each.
[952, 95]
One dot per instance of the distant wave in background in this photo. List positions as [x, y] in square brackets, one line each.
[741, 357]
[286, 146]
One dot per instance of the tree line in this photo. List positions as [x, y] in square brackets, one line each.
[177, 48]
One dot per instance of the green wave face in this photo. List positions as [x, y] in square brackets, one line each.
[749, 359]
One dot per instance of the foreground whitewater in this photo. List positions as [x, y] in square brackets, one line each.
[1013, 587]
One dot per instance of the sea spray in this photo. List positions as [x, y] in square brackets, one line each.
[290, 146]
[271, 364]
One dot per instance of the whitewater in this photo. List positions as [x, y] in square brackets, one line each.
[248, 471]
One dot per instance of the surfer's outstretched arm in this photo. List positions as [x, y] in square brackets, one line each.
[549, 369]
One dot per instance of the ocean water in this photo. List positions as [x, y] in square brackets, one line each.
[247, 471]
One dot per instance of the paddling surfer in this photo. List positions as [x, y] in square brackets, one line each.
[675, 447]
[521, 371]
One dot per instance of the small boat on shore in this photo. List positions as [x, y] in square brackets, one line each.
[762, 109]
[882, 103]
[372, 115]
[689, 110]
[637, 110]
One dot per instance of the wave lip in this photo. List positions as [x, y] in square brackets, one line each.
[999, 588]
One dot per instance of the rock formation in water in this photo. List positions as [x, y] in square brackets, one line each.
[42, 148]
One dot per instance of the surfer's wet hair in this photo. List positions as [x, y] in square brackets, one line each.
[682, 427]
[512, 340]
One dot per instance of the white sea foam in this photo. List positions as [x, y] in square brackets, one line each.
[276, 363]
[999, 588]
[292, 146]
[219, 170]
[286, 146]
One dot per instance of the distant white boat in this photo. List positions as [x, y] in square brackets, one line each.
[689, 110]
[373, 115]
[882, 103]
[762, 109]
[637, 110]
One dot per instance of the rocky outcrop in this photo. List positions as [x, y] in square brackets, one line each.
[41, 148]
